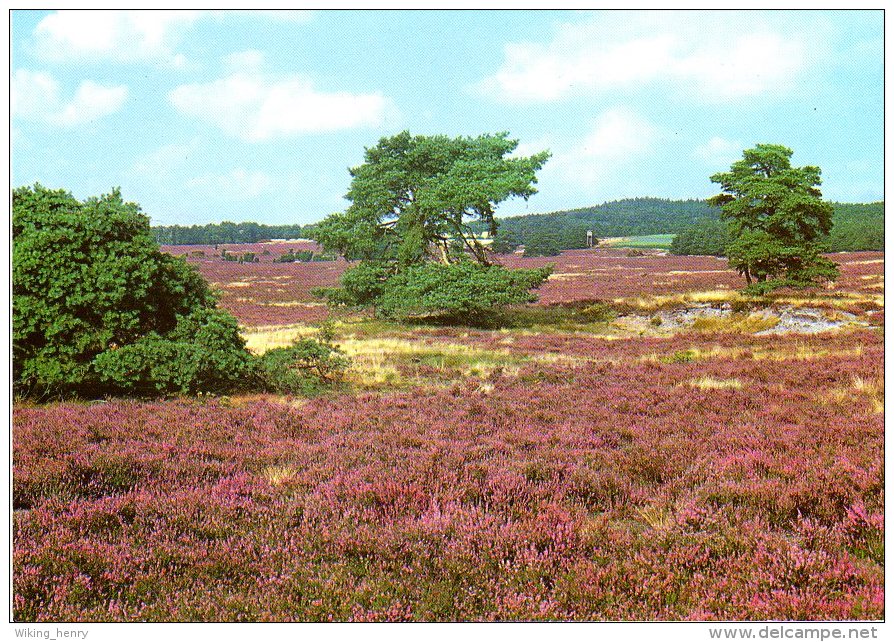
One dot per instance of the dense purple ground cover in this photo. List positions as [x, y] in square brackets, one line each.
[628, 483]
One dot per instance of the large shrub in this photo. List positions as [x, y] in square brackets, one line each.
[307, 367]
[464, 291]
[98, 308]
[204, 353]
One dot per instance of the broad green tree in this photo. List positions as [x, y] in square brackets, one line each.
[98, 308]
[416, 203]
[776, 217]
[414, 197]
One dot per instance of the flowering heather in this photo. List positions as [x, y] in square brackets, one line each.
[611, 483]
[537, 472]
[267, 293]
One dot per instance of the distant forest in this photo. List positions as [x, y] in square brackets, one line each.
[226, 232]
[628, 217]
[857, 226]
[699, 230]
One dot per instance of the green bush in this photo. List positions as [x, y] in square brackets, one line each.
[361, 286]
[463, 291]
[204, 353]
[99, 309]
[307, 367]
[292, 256]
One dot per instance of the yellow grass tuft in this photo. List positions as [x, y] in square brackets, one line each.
[295, 304]
[565, 276]
[871, 389]
[657, 518]
[710, 383]
[664, 300]
[744, 323]
[279, 475]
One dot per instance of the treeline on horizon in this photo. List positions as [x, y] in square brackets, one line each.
[697, 225]
[226, 232]
[699, 230]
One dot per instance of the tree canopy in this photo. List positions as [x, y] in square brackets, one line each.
[416, 205]
[415, 198]
[90, 284]
[776, 217]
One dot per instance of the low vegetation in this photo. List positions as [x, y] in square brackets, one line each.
[437, 444]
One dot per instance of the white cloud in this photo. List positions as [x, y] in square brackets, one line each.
[131, 36]
[719, 151]
[237, 184]
[36, 96]
[616, 139]
[253, 106]
[121, 36]
[713, 56]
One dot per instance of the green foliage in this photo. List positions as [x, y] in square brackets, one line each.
[857, 226]
[420, 199]
[226, 232]
[709, 238]
[204, 353]
[776, 219]
[89, 278]
[307, 367]
[543, 244]
[361, 285]
[464, 291]
[245, 257]
[505, 242]
[628, 217]
[293, 256]
[415, 198]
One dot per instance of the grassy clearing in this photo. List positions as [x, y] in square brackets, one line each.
[836, 300]
[393, 362]
[261, 339]
[649, 241]
[800, 352]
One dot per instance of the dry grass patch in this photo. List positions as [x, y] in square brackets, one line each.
[261, 339]
[710, 383]
[801, 352]
[742, 323]
[658, 301]
[295, 304]
[871, 389]
[658, 518]
[377, 362]
[565, 276]
[279, 475]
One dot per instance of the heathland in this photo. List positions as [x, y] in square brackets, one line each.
[645, 442]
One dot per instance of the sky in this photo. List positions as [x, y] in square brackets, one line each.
[203, 116]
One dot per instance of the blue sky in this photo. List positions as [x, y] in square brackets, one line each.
[208, 116]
